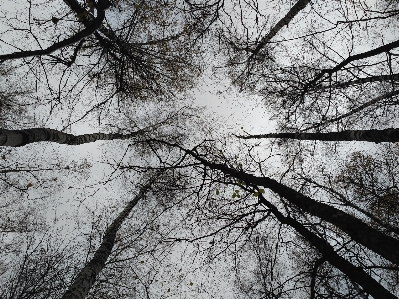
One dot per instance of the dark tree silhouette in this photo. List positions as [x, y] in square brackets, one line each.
[387, 135]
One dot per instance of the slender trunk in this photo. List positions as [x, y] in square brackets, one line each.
[349, 203]
[355, 274]
[316, 267]
[301, 4]
[16, 138]
[88, 275]
[359, 231]
[380, 78]
[383, 49]
[386, 135]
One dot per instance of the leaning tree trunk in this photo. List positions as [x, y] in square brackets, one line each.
[376, 241]
[301, 4]
[386, 135]
[355, 274]
[87, 276]
[23, 137]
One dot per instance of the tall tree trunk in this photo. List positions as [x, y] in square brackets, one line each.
[23, 137]
[386, 135]
[371, 79]
[301, 4]
[355, 274]
[359, 231]
[88, 275]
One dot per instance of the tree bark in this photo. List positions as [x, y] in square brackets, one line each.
[386, 135]
[16, 138]
[88, 275]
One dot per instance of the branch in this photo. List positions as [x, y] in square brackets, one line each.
[95, 24]
[379, 50]
[355, 110]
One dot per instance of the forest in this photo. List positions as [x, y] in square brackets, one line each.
[199, 149]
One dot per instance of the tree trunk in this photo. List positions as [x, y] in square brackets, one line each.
[386, 135]
[355, 274]
[371, 79]
[301, 4]
[23, 137]
[87, 276]
[359, 231]
[382, 49]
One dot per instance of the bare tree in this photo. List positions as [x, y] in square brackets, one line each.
[88, 274]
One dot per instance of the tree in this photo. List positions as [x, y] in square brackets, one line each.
[358, 231]
[342, 86]
[149, 54]
[349, 224]
[87, 276]
[387, 135]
